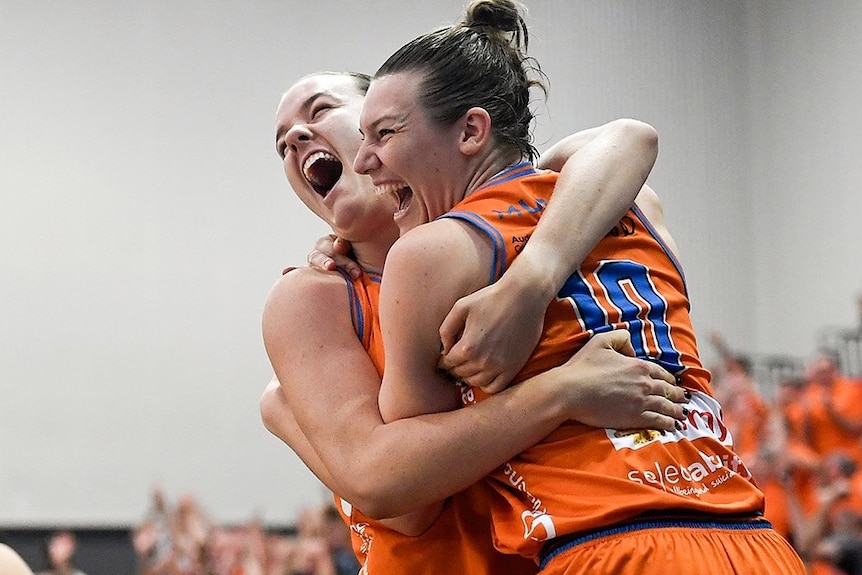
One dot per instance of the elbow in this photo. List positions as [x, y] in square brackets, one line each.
[377, 496]
[269, 406]
[642, 136]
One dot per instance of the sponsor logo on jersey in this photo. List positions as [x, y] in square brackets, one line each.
[703, 473]
[522, 208]
[517, 481]
[518, 242]
[538, 526]
[625, 227]
[703, 420]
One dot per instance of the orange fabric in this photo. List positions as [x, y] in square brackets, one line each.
[824, 433]
[364, 293]
[746, 414]
[776, 511]
[681, 551]
[580, 478]
[823, 568]
[459, 541]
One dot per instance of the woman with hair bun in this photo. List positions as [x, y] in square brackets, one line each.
[446, 124]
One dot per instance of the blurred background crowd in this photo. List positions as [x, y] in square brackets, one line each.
[181, 539]
[798, 426]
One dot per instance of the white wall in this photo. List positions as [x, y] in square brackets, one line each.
[806, 182]
[144, 214]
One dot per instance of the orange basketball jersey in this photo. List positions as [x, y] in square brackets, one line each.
[581, 478]
[459, 541]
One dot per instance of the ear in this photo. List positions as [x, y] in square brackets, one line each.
[475, 130]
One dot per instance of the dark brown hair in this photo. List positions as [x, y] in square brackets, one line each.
[481, 61]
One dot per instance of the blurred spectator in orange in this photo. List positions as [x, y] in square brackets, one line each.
[744, 410]
[832, 409]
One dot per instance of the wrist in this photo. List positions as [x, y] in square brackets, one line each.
[536, 272]
[561, 396]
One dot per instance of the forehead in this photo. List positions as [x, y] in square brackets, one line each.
[306, 90]
[392, 97]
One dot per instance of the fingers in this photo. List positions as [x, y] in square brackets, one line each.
[464, 371]
[666, 407]
[617, 339]
[473, 373]
[658, 372]
[659, 422]
[452, 329]
[495, 384]
[321, 261]
[341, 247]
[348, 265]
[328, 262]
[671, 392]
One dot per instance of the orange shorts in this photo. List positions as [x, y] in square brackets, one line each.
[677, 548]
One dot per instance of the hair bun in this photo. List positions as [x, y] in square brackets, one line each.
[500, 14]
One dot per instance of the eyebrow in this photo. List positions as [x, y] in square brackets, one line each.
[390, 117]
[304, 107]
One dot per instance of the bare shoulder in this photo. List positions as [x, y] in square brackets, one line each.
[650, 204]
[443, 233]
[300, 283]
[303, 297]
[438, 243]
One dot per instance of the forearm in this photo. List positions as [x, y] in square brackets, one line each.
[595, 189]
[387, 470]
[412, 462]
[279, 420]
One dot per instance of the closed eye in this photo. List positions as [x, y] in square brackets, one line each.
[319, 109]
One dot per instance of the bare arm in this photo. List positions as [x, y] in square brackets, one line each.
[650, 204]
[278, 418]
[330, 388]
[601, 171]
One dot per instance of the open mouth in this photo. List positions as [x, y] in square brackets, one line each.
[322, 171]
[402, 192]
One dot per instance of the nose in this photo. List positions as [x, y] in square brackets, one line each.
[296, 135]
[366, 161]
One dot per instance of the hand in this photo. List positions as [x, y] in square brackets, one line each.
[488, 336]
[611, 388]
[331, 252]
[829, 494]
[144, 538]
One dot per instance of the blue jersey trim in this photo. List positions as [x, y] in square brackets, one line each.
[357, 313]
[511, 173]
[545, 558]
[498, 266]
[673, 259]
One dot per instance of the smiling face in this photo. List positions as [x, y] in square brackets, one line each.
[408, 155]
[317, 137]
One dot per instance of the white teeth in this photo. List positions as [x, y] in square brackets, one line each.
[388, 189]
[306, 167]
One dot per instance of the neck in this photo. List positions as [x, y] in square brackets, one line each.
[488, 166]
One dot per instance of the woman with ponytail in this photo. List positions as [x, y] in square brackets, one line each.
[446, 124]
